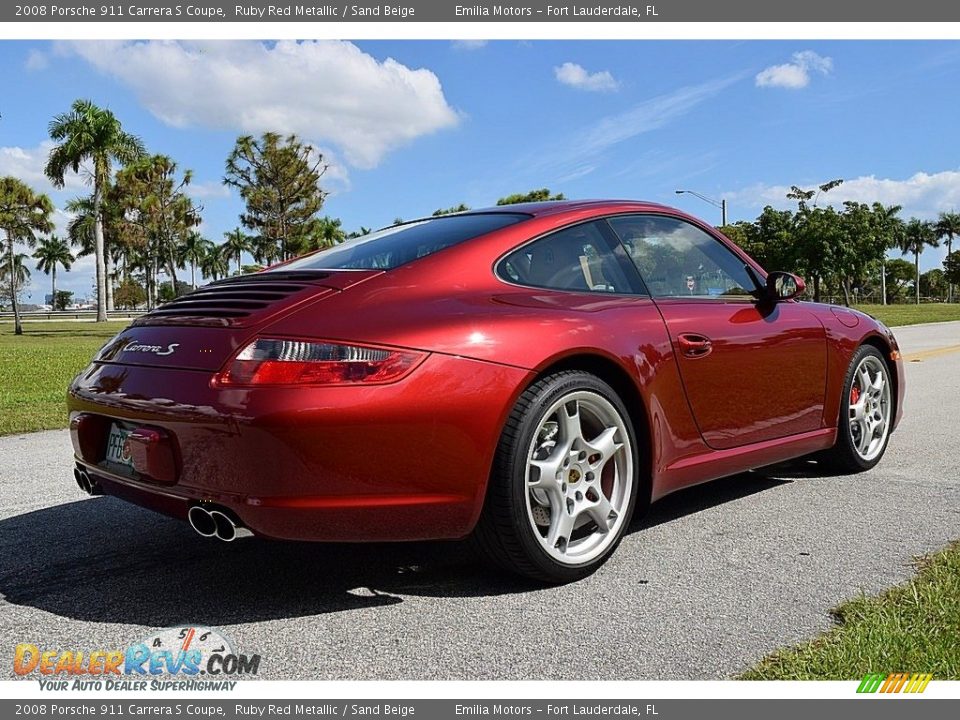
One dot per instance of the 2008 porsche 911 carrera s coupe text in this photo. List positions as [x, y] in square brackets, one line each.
[529, 375]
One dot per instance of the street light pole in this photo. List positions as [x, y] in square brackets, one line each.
[722, 204]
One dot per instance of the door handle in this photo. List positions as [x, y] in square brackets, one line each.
[693, 345]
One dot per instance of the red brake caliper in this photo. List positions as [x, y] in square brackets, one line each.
[854, 395]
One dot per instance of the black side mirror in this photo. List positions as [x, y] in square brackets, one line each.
[784, 286]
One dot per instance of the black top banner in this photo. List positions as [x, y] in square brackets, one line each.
[436, 11]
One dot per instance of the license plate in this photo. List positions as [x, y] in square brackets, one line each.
[117, 449]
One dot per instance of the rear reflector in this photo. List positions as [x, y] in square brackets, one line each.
[268, 361]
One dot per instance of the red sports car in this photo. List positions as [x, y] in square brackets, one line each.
[530, 375]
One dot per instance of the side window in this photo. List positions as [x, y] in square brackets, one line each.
[677, 259]
[580, 258]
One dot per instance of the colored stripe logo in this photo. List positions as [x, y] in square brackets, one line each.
[894, 683]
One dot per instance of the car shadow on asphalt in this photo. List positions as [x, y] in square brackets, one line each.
[103, 560]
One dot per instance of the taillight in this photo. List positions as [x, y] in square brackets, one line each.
[268, 361]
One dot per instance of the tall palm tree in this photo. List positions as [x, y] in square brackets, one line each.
[14, 273]
[94, 134]
[193, 250]
[264, 249]
[236, 243]
[216, 263]
[889, 225]
[948, 226]
[52, 252]
[917, 235]
[23, 213]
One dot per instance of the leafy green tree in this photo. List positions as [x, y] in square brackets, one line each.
[235, 244]
[948, 226]
[130, 294]
[279, 180]
[817, 235]
[951, 267]
[450, 210]
[23, 214]
[933, 284]
[154, 200]
[541, 195]
[865, 235]
[62, 299]
[899, 275]
[90, 133]
[769, 239]
[192, 251]
[52, 252]
[168, 291]
[917, 235]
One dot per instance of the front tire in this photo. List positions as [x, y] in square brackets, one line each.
[564, 480]
[866, 412]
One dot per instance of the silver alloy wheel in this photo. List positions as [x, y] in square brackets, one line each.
[869, 407]
[579, 477]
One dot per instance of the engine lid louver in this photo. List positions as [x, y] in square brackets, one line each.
[236, 302]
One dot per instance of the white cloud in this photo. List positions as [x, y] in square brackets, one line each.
[468, 44]
[208, 189]
[649, 115]
[577, 76]
[37, 60]
[922, 194]
[27, 164]
[327, 92]
[582, 152]
[796, 74]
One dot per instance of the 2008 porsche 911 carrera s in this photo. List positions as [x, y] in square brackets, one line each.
[530, 375]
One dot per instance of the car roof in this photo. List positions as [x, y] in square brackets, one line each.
[552, 207]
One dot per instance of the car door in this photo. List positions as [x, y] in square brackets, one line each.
[752, 371]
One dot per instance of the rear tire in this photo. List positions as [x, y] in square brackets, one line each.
[564, 480]
[866, 413]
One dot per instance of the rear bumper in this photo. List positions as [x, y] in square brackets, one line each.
[406, 461]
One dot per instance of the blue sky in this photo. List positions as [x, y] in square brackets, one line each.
[410, 126]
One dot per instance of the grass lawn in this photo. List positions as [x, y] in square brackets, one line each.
[893, 315]
[909, 628]
[36, 367]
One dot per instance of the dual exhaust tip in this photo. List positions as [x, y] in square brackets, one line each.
[210, 522]
[86, 483]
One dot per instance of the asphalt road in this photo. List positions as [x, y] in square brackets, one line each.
[703, 587]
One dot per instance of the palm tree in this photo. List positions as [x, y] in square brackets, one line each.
[216, 263]
[193, 249]
[264, 249]
[22, 214]
[948, 225]
[14, 273]
[52, 252]
[889, 225]
[91, 133]
[326, 233]
[236, 244]
[917, 234]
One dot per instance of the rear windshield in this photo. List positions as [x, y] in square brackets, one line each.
[394, 246]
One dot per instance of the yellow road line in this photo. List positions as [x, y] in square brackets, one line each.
[927, 354]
